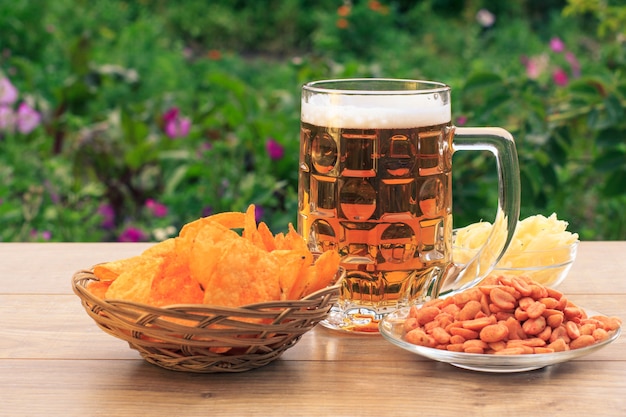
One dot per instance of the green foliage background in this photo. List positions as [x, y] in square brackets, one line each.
[103, 73]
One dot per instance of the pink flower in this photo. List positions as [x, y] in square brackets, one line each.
[559, 76]
[175, 125]
[157, 209]
[132, 234]
[274, 149]
[535, 65]
[557, 45]
[27, 118]
[43, 235]
[8, 93]
[485, 18]
[461, 120]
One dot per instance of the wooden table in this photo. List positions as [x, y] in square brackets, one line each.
[55, 361]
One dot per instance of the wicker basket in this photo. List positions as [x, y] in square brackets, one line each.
[204, 338]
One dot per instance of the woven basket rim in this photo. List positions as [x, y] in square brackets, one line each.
[83, 276]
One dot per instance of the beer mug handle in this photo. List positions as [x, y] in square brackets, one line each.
[502, 145]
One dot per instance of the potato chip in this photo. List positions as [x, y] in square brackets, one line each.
[266, 237]
[229, 220]
[99, 288]
[163, 248]
[322, 273]
[206, 250]
[293, 241]
[109, 271]
[279, 241]
[250, 230]
[175, 285]
[244, 274]
[319, 275]
[293, 267]
[135, 284]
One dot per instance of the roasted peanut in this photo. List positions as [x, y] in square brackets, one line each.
[478, 324]
[521, 286]
[467, 334]
[554, 318]
[534, 326]
[545, 333]
[419, 337]
[535, 309]
[549, 302]
[410, 323]
[469, 310]
[502, 299]
[572, 330]
[494, 333]
[426, 314]
[511, 351]
[558, 345]
[582, 341]
[521, 314]
[600, 334]
[440, 335]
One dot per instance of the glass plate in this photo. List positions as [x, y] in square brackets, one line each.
[391, 329]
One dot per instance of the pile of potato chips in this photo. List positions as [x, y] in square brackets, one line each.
[209, 262]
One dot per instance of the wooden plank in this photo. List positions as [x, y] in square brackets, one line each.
[47, 268]
[309, 388]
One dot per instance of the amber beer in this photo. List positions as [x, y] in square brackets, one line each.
[375, 185]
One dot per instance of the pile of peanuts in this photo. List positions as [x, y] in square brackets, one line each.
[506, 315]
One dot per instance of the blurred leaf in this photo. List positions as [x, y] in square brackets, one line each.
[482, 80]
[615, 184]
[610, 161]
[614, 108]
[611, 137]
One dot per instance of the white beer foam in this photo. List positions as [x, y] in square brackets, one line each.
[375, 112]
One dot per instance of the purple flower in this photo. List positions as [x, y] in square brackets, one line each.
[274, 149]
[43, 235]
[157, 209]
[207, 211]
[559, 76]
[8, 93]
[175, 125]
[557, 45]
[132, 234]
[258, 213]
[108, 216]
[27, 118]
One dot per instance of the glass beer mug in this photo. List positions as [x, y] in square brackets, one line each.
[375, 185]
